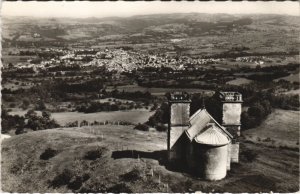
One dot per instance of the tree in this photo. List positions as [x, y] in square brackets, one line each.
[267, 106]
[46, 115]
[255, 114]
[40, 105]
[25, 104]
[257, 111]
[247, 121]
[10, 122]
[30, 113]
[10, 65]
[258, 67]
[36, 122]
[160, 116]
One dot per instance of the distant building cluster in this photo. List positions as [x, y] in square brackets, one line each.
[113, 59]
[256, 60]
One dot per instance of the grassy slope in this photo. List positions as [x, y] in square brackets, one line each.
[281, 126]
[291, 78]
[134, 116]
[24, 171]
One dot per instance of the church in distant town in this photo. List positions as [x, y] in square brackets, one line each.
[202, 144]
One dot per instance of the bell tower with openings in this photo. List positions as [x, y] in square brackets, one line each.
[179, 103]
[231, 103]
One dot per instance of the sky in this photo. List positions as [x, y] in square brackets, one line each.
[82, 9]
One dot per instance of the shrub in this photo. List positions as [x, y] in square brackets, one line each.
[40, 106]
[119, 188]
[48, 153]
[94, 187]
[161, 128]
[24, 106]
[94, 154]
[258, 139]
[133, 175]
[72, 124]
[188, 184]
[46, 114]
[77, 182]
[267, 139]
[84, 123]
[62, 179]
[142, 127]
[20, 131]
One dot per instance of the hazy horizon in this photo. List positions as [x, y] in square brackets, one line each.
[128, 9]
[104, 17]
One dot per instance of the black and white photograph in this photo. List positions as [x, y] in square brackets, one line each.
[150, 97]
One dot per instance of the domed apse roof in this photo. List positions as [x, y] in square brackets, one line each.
[212, 135]
[206, 130]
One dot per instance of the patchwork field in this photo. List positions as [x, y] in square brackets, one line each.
[15, 59]
[281, 128]
[120, 159]
[15, 85]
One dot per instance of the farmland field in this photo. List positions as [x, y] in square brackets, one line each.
[239, 81]
[16, 84]
[15, 59]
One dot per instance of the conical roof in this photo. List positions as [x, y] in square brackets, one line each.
[212, 135]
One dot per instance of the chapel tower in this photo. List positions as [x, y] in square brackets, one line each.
[231, 107]
[179, 103]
